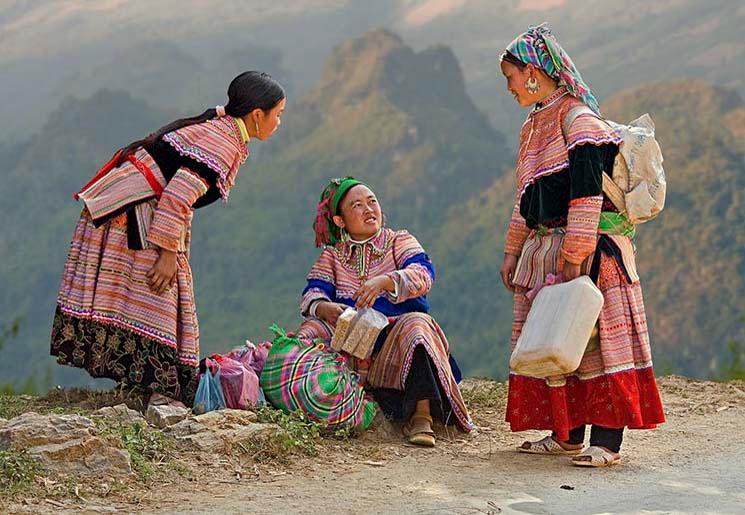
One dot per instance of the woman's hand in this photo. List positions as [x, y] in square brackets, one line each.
[507, 271]
[163, 273]
[570, 271]
[329, 311]
[371, 290]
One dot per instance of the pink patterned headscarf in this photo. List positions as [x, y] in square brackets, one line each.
[539, 47]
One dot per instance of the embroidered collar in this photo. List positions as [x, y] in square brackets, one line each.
[550, 100]
[361, 254]
[242, 128]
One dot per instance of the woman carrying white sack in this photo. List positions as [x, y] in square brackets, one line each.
[562, 223]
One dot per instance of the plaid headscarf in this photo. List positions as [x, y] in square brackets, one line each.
[539, 47]
[327, 232]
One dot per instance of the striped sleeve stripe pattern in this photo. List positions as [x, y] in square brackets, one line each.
[173, 214]
[582, 228]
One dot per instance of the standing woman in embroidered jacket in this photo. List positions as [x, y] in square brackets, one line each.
[365, 264]
[125, 309]
[563, 223]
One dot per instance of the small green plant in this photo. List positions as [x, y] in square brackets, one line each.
[735, 367]
[17, 472]
[13, 405]
[147, 448]
[297, 435]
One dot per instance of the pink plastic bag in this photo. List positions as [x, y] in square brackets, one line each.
[240, 370]
[550, 280]
[252, 356]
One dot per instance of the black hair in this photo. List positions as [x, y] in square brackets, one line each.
[511, 58]
[248, 91]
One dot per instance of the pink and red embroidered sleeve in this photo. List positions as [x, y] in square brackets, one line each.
[517, 232]
[172, 218]
[417, 275]
[582, 228]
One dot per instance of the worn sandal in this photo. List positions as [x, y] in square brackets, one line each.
[599, 457]
[548, 446]
[418, 431]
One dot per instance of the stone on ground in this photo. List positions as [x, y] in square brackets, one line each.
[65, 444]
[164, 416]
[120, 413]
[219, 429]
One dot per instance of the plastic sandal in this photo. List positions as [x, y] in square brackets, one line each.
[599, 457]
[547, 446]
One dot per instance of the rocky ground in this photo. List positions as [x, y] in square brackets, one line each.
[74, 451]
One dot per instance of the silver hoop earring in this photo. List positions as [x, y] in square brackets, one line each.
[258, 133]
[532, 85]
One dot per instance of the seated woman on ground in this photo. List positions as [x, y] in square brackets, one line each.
[364, 264]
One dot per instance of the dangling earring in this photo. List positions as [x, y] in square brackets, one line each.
[344, 234]
[532, 85]
[258, 133]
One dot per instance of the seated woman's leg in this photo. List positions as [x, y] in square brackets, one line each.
[419, 401]
[411, 375]
[421, 385]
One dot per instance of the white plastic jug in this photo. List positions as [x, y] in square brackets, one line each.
[558, 327]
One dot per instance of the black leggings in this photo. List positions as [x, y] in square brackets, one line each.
[600, 436]
[421, 384]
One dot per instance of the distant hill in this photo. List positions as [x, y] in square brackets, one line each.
[49, 49]
[401, 120]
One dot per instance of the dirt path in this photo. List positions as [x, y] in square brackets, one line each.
[695, 463]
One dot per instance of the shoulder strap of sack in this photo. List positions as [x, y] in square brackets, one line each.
[610, 188]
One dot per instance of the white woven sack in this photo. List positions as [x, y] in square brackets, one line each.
[638, 184]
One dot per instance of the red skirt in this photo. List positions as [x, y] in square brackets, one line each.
[614, 385]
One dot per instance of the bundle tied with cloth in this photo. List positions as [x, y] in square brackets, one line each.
[305, 375]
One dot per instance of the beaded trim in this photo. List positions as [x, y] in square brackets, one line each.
[547, 102]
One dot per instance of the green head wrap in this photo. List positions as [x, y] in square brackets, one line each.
[327, 232]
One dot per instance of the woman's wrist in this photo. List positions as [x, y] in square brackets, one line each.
[388, 283]
[167, 253]
[319, 307]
